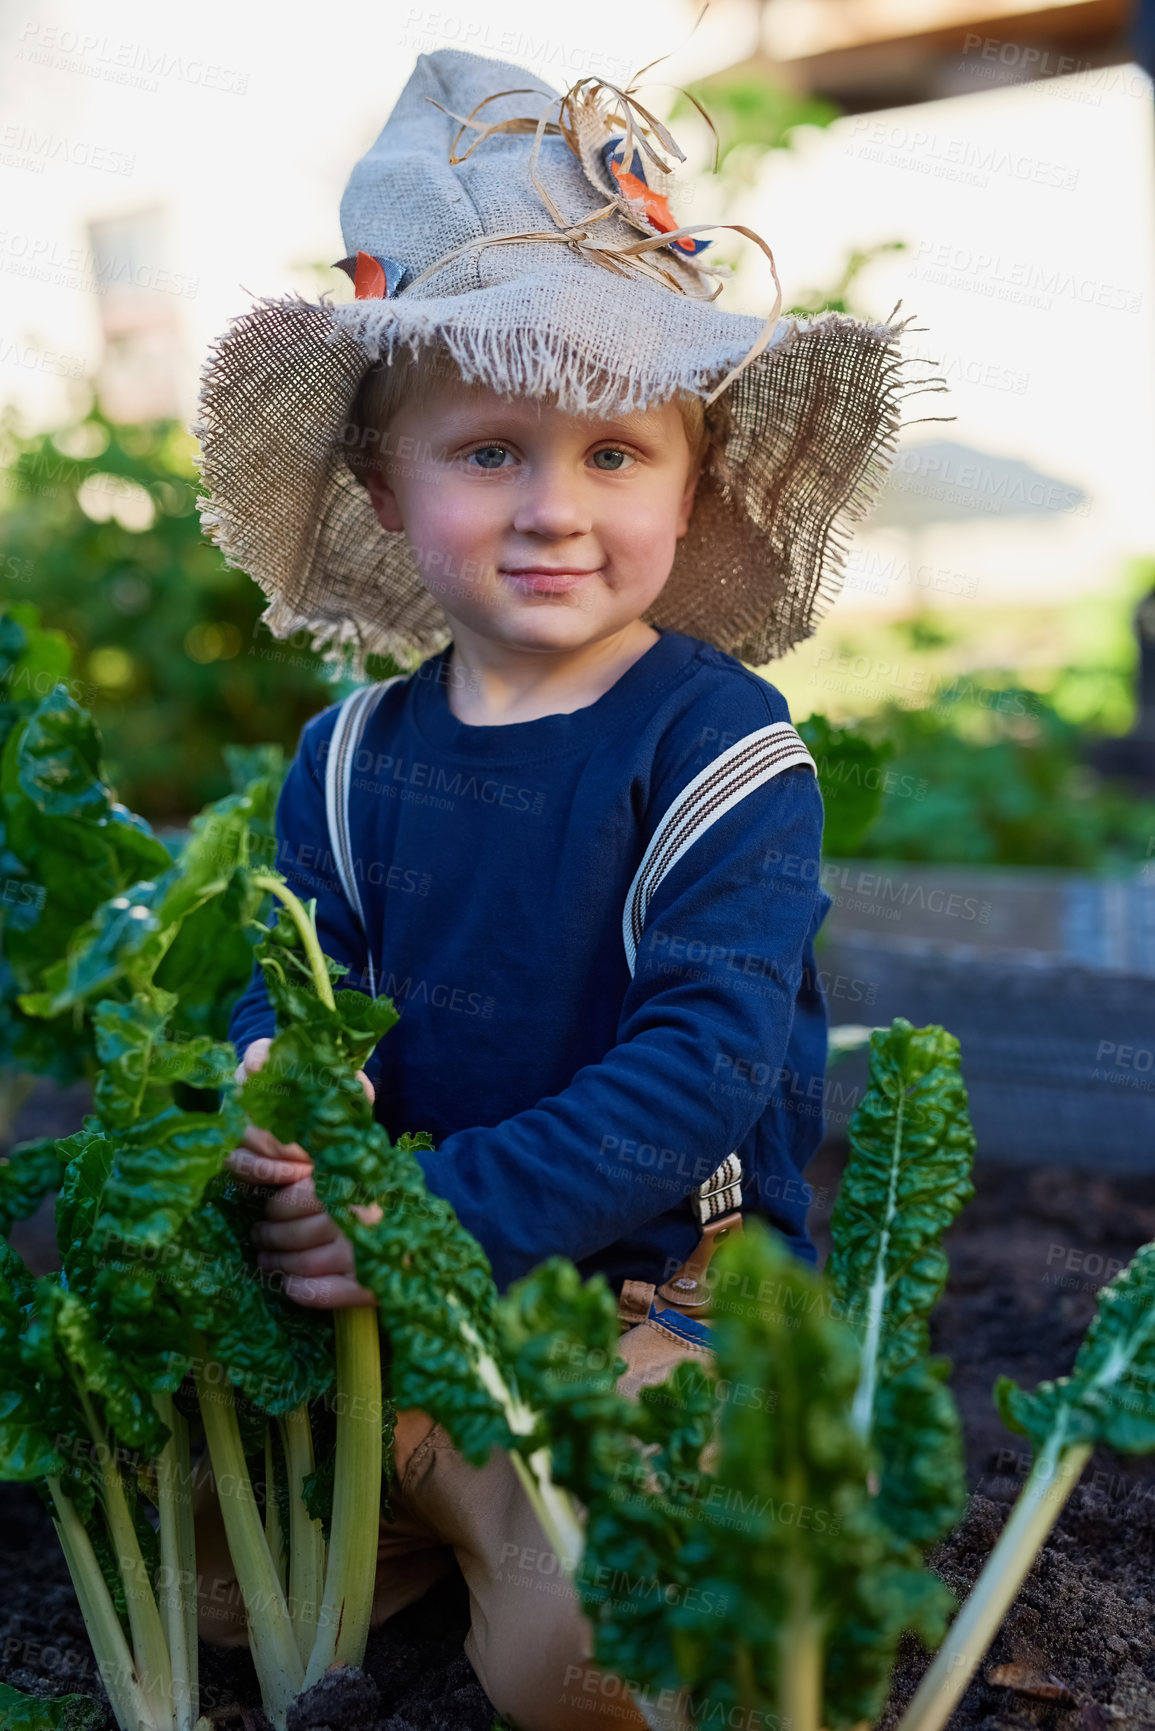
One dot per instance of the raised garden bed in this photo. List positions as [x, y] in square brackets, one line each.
[1044, 977]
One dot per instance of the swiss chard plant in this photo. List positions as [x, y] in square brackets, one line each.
[781, 1575]
[158, 1330]
[154, 1281]
[69, 848]
[756, 1539]
[1107, 1398]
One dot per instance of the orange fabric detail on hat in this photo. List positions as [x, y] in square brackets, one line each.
[657, 205]
[368, 279]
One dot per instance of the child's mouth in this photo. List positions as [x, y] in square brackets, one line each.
[547, 582]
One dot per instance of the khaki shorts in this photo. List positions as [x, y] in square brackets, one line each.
[528, 1641]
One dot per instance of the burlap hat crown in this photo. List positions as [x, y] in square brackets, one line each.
[499, 220]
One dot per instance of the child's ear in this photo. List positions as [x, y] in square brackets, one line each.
[687, 504]
[383, 499]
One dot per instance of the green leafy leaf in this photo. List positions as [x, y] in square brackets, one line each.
[30, 1172]
[772, 1567]
[87, 1158]
[1109, 1396]
[912, 1148]
[28, 1443]
[918, 1439]
[20, 1712]
[63, 1342]
[164, 1157]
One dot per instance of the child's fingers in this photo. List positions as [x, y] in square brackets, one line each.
[333, 1257]
[253, 1168]
[368, 1213]
[335, 1292]
[258, 1050]
[294, 1201]
[301, 1234]
[264, 1142]
[255, 1054]
[261, 1159]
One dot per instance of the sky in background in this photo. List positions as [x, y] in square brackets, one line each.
[1028, 215]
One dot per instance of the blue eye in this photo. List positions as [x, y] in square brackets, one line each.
[483, 449]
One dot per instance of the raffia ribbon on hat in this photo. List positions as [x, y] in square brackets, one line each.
[579, 110]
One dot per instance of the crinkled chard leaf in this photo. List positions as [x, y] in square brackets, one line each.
[164, 1157]
[431, 1279]
[1109, 1396]
[559, 1337]
[28, 1437]
[19, 1712]
[87, 1157]
[768, 1579]
[912, 1148]
[27, 1176]
[918, 1439]
[61, 822]
[63, 1343]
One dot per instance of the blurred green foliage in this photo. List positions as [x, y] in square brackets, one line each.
[852, 780]
[100, 529]
[999, 780]
[837, 296]
[751, 115]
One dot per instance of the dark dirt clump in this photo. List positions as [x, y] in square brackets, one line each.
[1027, 1258]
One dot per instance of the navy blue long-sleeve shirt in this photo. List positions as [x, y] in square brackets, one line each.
[574, 1108]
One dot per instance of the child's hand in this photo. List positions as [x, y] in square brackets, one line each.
[261, 1159]
[301, 1242]
[304, 1245]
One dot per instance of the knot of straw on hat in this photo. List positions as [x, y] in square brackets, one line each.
[582, 114]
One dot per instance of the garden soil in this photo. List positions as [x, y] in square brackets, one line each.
[1077, 1650]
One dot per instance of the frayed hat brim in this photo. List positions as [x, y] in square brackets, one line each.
[814, 422]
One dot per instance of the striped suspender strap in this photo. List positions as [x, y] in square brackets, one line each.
[350, 725]
[753, 761]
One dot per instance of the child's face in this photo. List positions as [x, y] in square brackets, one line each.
[496, 494]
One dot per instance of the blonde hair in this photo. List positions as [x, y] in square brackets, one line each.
[408, 377]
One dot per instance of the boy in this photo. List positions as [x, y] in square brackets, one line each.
[583, 838]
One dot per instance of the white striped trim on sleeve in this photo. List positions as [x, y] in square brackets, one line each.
[754, 760]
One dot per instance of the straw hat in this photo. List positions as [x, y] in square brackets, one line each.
[528, 234]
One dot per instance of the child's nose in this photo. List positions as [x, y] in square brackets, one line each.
[549, 504]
